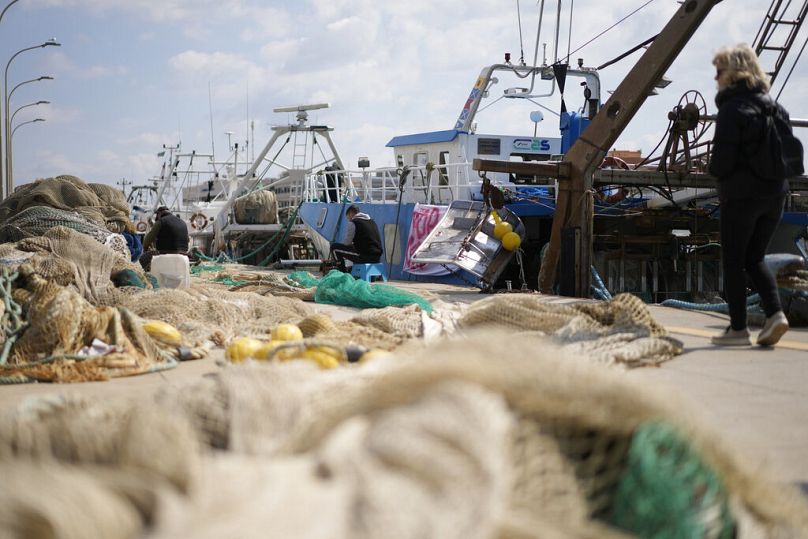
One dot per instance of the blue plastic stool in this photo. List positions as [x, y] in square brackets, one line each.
[367, 272]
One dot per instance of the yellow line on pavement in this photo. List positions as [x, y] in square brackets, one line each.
[793, 345]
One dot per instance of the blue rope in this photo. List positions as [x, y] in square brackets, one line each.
[752, 304]
[599, 290]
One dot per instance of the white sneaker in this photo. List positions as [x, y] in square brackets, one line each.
[732, 337]
[775, 327]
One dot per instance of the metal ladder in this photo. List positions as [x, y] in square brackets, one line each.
[788, 21]
[300, 149]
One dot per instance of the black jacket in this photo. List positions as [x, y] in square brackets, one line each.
[738, 129]
[366, 238]
[172, 236]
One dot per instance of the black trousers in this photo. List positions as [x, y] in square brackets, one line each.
[342, 252]
[747, 227]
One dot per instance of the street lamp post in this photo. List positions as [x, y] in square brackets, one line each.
[10, 147]
[2, 196]
[50, 43]
[22, 124]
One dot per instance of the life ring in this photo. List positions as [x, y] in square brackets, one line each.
[199, 221]
[141, 226]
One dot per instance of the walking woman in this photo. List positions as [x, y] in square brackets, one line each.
[751, 207]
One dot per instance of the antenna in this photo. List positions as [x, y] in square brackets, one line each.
[301, 108]
[210, 111]
[302, 114]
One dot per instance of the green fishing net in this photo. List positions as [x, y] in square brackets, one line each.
[667, 491]
[338, 288]
[203, 268]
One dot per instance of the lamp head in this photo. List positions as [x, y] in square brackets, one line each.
[51, 43]
[38, 120]
[45, 77]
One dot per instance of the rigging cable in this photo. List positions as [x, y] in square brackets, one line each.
[521, 44]
[569, 32]
[609, 28]
[790, 71]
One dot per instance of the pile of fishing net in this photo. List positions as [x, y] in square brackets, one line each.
[72, 258]
[619, 331]
[102, 204]
[256, 208]
[207, 315]
[52, 333]
[484, 437]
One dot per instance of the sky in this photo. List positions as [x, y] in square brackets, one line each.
[133, 75]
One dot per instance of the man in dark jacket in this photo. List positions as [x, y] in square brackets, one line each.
[169, 235]
[361, 244]
[751, 206]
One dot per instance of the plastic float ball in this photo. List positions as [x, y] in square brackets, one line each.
[323, 360]
[375, 353]
[242, 349]
[511, 241]
[268, 352]
[163, 332]
[287, 332]
[502, 228]
[495, 215]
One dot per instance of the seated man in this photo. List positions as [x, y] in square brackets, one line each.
[361, 244]
[170, 235]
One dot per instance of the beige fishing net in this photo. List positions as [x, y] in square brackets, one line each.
[207, 314]
[55, 327]
[488, 437]
[621, 331]
[257, 208]
[102, 204]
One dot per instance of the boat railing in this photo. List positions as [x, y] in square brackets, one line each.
[425, 184]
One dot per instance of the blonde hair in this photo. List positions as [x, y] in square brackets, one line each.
[741, 64]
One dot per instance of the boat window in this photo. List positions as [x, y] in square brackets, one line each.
[419, 159]
[488, 146]
[321, 217]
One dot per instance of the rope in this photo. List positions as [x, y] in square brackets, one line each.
[12, 321]
[599, 290]
[606, 30]
[751, 302]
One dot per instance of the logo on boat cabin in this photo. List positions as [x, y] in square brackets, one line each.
[532, 144]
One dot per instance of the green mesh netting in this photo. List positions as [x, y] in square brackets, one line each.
[667, 491]
[203, 268]
[338, 288]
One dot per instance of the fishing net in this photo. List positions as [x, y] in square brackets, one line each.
[338, 288]
[257, 208]
[206, 314]
[488, 437]
[620, 331]
[49, 327]
[70, 194]
[69, 257]
[37, 220]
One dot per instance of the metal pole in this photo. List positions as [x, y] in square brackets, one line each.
[10, 148]
[3, 195]
[11, 136]
[7, 129]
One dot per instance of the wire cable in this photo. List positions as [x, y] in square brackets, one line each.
[521, 44]
[607, 29]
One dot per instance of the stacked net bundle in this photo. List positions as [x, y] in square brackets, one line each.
[69, 257]
[205, 314]
[70, 194]
[257, 208]
[48, 332]
[620, 331]
[490, 437]
[37, 220]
